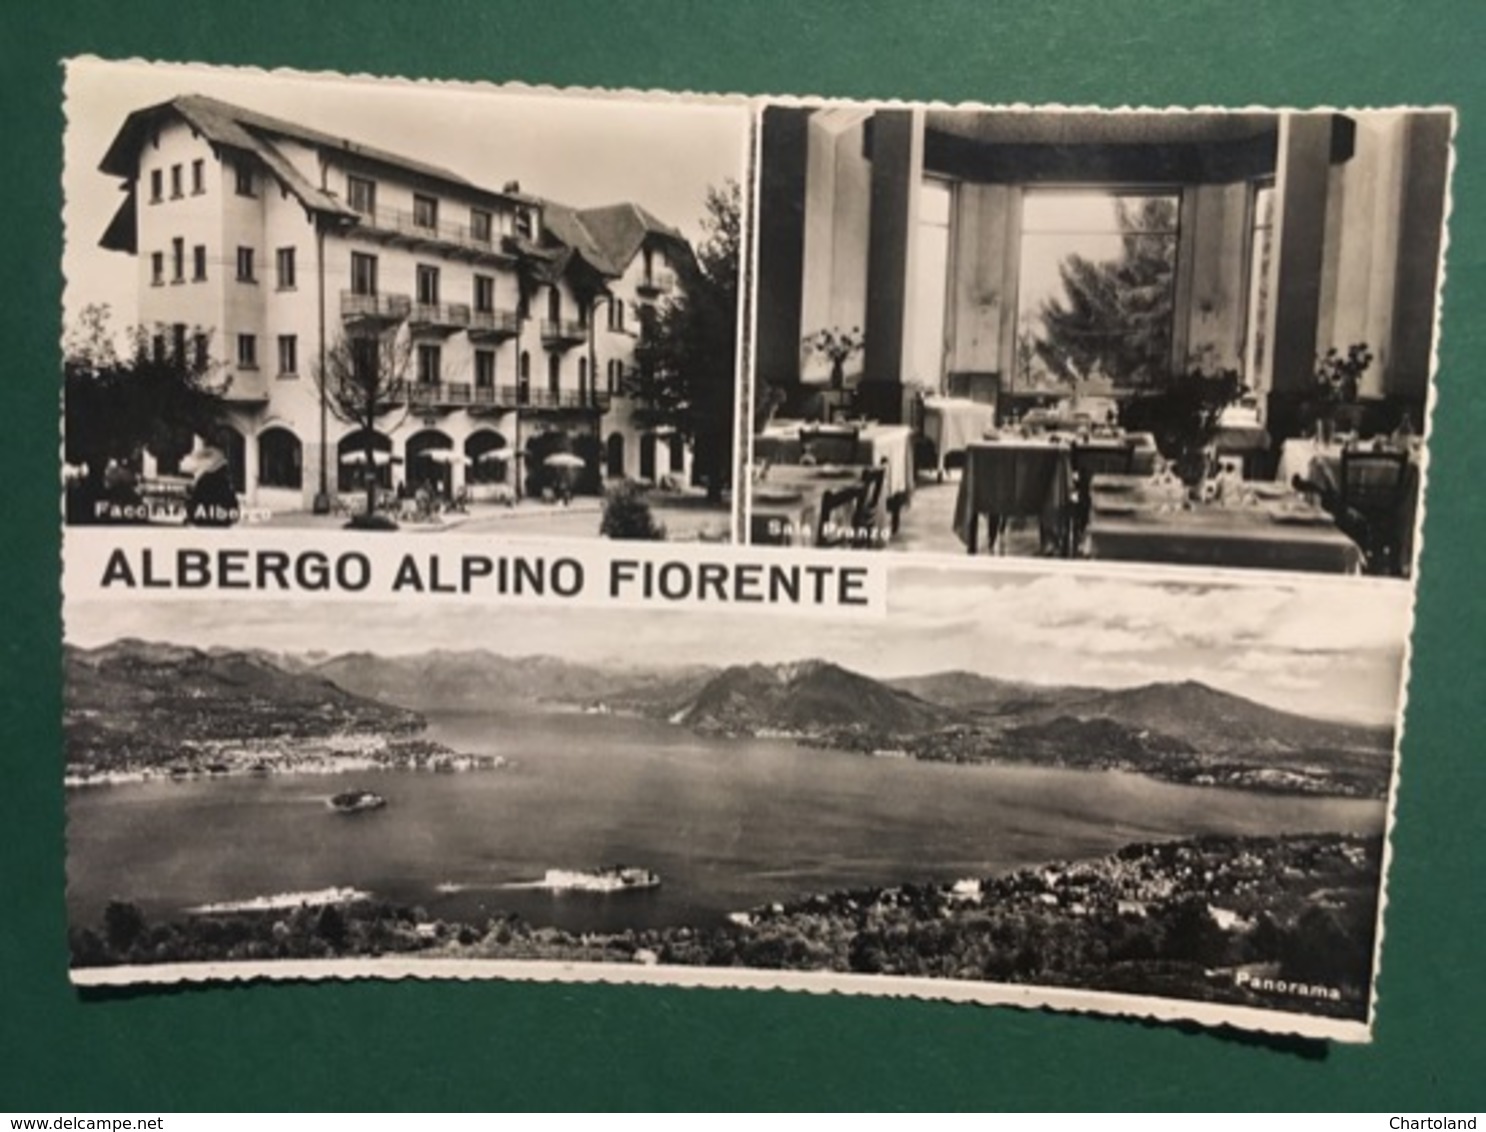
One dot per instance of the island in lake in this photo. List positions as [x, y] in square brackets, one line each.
[1284, 922]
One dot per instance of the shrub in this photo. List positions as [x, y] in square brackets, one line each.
[627, 515]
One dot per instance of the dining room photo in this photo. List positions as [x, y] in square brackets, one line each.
[1174, 337]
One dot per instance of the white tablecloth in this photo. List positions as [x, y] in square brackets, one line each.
[954, 423]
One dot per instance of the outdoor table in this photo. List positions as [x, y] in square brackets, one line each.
[1137, 519]
[953, 423]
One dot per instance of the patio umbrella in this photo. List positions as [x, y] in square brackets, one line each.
[495, 455]
[359, 457]
[563, 460]
[445, 456]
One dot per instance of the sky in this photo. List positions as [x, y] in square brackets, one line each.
[580, 150]
[1332, 650]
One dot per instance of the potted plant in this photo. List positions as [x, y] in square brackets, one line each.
[1184, 417]
[1338, 379]
[839, 346]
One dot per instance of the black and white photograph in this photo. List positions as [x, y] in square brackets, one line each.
[1153, 794]
[1189, 338]
[321, 302]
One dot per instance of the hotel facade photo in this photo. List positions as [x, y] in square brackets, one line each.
[373, 320]
[1100, 334]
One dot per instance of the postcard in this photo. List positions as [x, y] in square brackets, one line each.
[743, 542]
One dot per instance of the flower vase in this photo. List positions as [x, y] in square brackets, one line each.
[838, 373]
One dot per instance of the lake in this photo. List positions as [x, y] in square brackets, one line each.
[728, 824]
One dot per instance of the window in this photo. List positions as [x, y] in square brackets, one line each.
[157, 268]
[157, 185]
[931, 267]
[583, 379]
[1261, 246]
[678, 455]
[616, 314]
[157, 347]
[178, 260]
[284, 263]
[202, 351]
[198, 177]
[425, 211]
[480, 225]
[428, 285]
[288, 355]
[429, 359]
[245, 265]
[484, 293]
[1096, 289]
[280, 459]
[613, 374]
[243, 179]
[366, 359]
[523, 379]
[363, 274]
[247, 351]
[361, 194]
[554, 306]
[198, 262]
[176, 189]
[523, 223]
[178, 342]
[484, 369]
[554, 375]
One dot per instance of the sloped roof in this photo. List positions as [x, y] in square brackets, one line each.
[620, 231]
[223, 123]
[566, 225]
[605, 239]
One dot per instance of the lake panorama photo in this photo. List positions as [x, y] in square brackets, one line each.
[1171, 789]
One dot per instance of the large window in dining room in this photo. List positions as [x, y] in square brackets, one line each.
[931, 280]
[1258, 309]
[1096, 289]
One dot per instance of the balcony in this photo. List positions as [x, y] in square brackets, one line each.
[373, 312]
[563, 334]
[438, 318]
[492, 326]
[247, 387]
[402, 228]
[593, 400]
[441, 394]
[655, 285]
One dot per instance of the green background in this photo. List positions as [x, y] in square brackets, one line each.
[496, 1046]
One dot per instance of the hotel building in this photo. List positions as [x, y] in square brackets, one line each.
[262, 245]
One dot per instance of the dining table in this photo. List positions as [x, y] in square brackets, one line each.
[1011, 475]
[953, 423]
[1319, 463]
[1255, 525]
[891, 445]
[785, 504]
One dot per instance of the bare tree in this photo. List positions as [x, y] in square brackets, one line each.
[365, 382]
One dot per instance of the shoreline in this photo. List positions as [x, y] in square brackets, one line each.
[1214, 918]
[349, 753]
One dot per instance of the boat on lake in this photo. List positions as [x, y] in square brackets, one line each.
[356, 801]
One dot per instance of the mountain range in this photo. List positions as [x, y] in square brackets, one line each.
[1185, 730]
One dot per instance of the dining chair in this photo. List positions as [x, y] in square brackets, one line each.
[1090, 460]
[835, 525]
[1371, 504]
[866, 526]
[836, 444]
